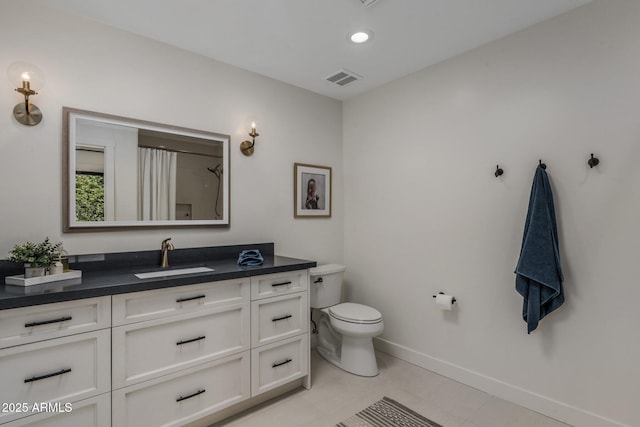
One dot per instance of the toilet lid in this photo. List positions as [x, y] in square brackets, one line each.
[355, 313]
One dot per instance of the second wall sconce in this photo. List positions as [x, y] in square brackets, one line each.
[247, 147]
[23, 75]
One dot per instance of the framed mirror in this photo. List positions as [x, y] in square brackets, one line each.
[127, 173]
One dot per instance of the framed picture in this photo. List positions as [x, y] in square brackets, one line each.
[312, 191]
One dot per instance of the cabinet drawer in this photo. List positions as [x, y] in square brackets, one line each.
[61, 370]
[278, 363]
[40, 322]
[185, 396]
[277, 318]
[270, 285]
[92, 412]
[157, 347]
[158, 303]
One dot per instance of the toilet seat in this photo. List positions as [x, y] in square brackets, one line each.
[355, 313]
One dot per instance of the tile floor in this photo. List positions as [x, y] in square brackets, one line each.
[336, 395]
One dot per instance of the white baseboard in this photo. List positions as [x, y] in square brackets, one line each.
[530, 400]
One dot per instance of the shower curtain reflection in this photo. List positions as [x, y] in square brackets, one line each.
[156, 184]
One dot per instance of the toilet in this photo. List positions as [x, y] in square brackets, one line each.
[345, 330]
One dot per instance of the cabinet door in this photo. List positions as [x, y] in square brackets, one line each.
[40, 322]
[159, 303]
[279, 363]
[273, 319]
[148, 349]
[177, 399]
[92, 412]
[271, 285]
[61, 370]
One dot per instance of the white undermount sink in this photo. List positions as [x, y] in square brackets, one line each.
[176, 272]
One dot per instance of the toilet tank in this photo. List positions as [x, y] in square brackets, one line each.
[326, 285]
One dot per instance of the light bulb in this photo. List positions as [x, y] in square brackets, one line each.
[21, 71]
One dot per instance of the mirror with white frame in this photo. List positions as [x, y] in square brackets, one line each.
[122, 172]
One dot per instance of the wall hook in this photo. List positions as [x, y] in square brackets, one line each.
[541, 165]
[593, 161]
[499, 171]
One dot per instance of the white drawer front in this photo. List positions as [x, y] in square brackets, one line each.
[157, 347]
[29, 324]
[185, 396]
[61, 370]
[92, 412]
[276, 364]
[158, 303]
[270, 285]
[273, 319]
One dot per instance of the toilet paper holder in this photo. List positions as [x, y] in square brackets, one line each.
[453, 300]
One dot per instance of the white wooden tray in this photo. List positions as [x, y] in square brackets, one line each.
[21, 281]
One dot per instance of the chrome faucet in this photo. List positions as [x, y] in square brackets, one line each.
[164, 252]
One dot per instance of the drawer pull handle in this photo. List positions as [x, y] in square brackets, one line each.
[46, 322]
[190, 298]
[191, 340]
[189, 396]
[275, 365]
[42, 377]
[281, 284]
[281, 318]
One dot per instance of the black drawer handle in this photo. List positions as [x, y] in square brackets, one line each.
[189, 396]
[190, 298]
[275, 365]
[191, 340]
[46, 322]
[42, 377]
[281, 284]
[281, 318]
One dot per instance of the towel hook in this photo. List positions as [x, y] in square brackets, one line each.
[593, 161]
[498, 171]
[541, 165]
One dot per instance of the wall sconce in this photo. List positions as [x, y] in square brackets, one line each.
[23, 75]
[247, 147]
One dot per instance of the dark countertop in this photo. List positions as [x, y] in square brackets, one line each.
[110, 275]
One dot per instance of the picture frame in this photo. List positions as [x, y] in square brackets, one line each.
[312, 191]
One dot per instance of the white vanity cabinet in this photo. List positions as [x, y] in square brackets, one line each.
[279, 330]
[92, 412]
[52, 357]
[183, 354]
[180, 353]
[190, 354]
[185, 396]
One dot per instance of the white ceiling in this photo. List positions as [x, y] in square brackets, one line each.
[302, 42]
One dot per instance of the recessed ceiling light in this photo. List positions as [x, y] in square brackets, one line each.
[360, 36]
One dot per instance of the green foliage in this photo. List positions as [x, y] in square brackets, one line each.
[89, 197]
[38, 255]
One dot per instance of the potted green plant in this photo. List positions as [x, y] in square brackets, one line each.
[36, 257]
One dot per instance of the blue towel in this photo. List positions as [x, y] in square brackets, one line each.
[539, 273]
[250, 258]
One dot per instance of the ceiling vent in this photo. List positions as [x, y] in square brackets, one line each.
[343, 77]
[368, 3]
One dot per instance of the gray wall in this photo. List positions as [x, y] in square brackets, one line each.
[424, 212]
[99, 68]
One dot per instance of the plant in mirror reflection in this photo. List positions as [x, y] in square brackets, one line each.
[89, 197]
